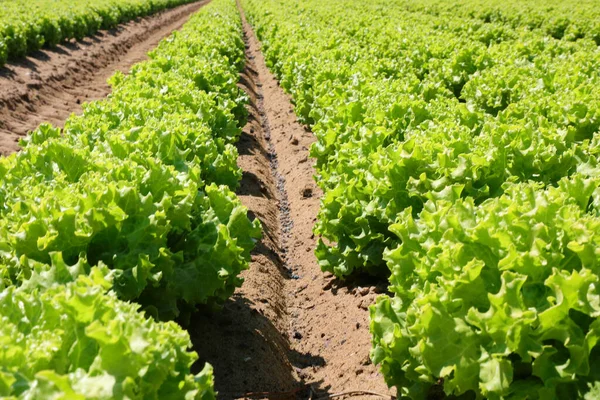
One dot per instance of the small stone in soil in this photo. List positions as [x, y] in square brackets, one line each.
[306, 192]
[363, 291]
[358, 325]
[294, 141]
[363, 305]
[297, 335]
[328, 285]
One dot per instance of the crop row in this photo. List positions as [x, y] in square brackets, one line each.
[402, 117]
[458, 157]
[134, 196]
[29, 25]
[560, 20]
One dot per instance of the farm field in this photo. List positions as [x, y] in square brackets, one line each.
[50, 84]
[300, 200]
[30, 25]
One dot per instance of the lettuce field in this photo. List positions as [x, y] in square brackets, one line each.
[26, 26]
[300, 199]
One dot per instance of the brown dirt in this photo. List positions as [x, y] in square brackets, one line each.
[328, 320]
[49, 85]
[290, 332]
[247, 342]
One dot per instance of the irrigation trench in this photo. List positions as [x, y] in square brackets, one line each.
[290, 332]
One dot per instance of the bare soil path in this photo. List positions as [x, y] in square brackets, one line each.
[290, 332]
[328, 321]
[49, 85]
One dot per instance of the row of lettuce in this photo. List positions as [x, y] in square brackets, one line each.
[458, 157]
[567, 20]
[29, 25]
[127, 213]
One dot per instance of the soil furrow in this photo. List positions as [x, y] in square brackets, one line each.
[290, 331]
[328, 321]
[49, 85]
[247, 341]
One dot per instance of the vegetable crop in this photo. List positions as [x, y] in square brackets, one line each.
[457, 149]
[28, 25]
[409, 107]
[142, 180]
[500, 299]
[76, 341]
[125, 217]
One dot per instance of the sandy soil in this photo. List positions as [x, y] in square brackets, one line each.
[328, 319]
[247, 342]
[290, 332]
[49, 85]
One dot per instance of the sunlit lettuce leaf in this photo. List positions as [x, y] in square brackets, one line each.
[76, 341]
[500, 299]
[142, 181]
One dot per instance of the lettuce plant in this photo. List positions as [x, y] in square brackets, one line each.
[499, 300]
[142, 181]
[29, 25]
[76, 341]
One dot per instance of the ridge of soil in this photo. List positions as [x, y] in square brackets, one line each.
[50, 84]
[290, 331]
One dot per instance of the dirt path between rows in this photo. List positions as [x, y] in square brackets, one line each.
[49, 85]
[290, 332]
